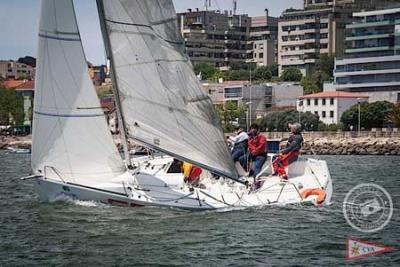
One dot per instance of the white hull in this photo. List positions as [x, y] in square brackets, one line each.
[153, 186]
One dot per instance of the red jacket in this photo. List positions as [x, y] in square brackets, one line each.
[258, 145]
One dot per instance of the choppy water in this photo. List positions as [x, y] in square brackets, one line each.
[91, 234]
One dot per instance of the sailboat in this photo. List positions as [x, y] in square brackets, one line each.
[161, 106]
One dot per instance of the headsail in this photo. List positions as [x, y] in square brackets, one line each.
[163, 103]
[70, 132]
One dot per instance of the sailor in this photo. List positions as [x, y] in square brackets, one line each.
[257, 151]
[191, 173]
[239, 143]
[290, 153]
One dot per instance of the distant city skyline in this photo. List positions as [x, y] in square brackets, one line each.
[19, 20]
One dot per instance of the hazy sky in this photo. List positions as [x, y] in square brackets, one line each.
[19, 22]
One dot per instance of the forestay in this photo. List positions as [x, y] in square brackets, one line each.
[163, 103]
[70, 133]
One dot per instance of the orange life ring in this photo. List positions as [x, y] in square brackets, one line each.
[314, 192]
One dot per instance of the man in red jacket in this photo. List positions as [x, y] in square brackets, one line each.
[257, 150]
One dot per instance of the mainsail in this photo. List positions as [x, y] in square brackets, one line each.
[163, 104]
[70, 133]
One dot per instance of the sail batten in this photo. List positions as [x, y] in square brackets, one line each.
[70, 133]
[163, 103]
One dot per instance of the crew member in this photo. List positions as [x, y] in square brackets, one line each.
[239, 143]
[257, 151]
[290, 153]
[191, 173]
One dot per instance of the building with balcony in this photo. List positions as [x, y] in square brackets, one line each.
[303, 35]
[371, 63]
[10, 69]
[258, 98]
[263, 40]
[329, 106]
[215, 37]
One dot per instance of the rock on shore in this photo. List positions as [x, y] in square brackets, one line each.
[352, 146]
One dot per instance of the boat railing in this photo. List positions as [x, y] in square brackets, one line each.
[54, 170]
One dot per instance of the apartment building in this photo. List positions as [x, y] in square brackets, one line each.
[212, 36]
[371, 63]
[304, 35]
[257, 98]
[263, 40]
[329, 106]
[10, 69]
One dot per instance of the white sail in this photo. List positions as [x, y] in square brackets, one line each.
[163, 104]
[70, 133]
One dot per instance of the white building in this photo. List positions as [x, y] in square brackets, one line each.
[329, 106]
[10, 69]
[372, 59]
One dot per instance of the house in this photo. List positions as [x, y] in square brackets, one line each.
[330, 105]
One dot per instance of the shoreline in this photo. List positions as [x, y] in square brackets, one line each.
[311, 146]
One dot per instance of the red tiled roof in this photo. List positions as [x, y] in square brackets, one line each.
[26, 85]
[13, 83]
[335, 94]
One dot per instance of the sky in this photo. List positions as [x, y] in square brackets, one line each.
[19, 23]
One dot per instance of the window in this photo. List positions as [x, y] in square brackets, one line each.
[323, 101]
[316, 102]
[261, 55]
[323, 114]
[332, 101]
[331, 113]
[309, 101]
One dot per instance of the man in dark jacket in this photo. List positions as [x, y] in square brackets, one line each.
[290, 153]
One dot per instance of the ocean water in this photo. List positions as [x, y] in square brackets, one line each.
[82, 233]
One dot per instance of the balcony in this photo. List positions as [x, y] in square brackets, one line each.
[367, 36]
[368, 49]
[371, 24]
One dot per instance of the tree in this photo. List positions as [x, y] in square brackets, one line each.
[237, 75]
[279, 120]
[326, 64]
[11, 106]
[229, 113]
[309, 86]
[291, 74]
[207, 70]
[319, 77]
[274, 69]
[394, 116]
[262, 74]
[373, 115]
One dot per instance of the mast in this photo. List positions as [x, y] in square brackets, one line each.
[117, 98]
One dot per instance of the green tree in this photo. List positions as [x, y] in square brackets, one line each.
[319, 77]
[291, 74]
[373, 115]
[262, 74]
[11, 106]
[237, 75]
[207, 70]
[230, 113]
[242, 66]
[394, 116]
[274, 69]
[309, 85]
[326, 64]
[279, 120]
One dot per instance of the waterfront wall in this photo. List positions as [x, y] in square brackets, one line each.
[385, 142]
[320, 143]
